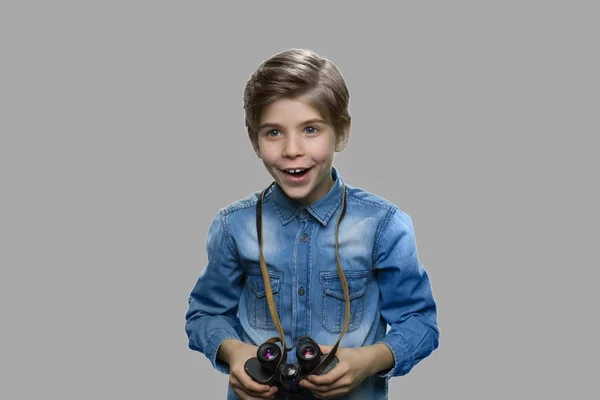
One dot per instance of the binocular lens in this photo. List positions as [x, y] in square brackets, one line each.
[269, 354]
[308, 355]
[308, 352]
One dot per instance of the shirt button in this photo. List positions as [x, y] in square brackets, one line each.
[304, 237]
[301, 291]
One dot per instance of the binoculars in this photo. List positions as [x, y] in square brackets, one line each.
[270, 367]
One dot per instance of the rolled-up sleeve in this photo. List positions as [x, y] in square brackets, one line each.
[212, 311]
[407, 303]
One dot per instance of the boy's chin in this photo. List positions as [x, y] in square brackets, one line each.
[297, 194]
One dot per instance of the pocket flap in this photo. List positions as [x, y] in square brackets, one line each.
[357, 283]
[257, 286]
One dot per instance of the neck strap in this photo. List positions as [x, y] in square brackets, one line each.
[269, 291]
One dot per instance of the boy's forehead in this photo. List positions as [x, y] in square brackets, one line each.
[290, 111]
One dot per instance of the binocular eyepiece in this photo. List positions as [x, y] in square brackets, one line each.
[309, 355]
[268, 355]
[270, 367]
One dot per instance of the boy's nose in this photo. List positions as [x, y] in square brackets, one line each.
[292, 147]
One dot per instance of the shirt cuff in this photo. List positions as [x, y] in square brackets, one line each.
[402, 357]
[214, 344]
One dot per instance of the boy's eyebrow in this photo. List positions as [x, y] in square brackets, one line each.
[276, 125]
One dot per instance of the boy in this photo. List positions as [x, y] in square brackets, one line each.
[296, 108]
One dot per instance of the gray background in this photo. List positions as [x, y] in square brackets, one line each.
[123, 135]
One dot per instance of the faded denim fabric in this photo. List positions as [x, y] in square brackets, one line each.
[378, 253]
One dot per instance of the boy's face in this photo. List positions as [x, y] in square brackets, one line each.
[292, 135]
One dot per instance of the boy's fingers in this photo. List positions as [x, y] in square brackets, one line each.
[255, 388]
[306, 384]
[328, 379]
[245, 395]
[271, 393]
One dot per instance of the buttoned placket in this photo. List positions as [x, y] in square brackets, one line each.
[300, 292]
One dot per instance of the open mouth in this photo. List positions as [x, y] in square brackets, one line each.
[296, 173]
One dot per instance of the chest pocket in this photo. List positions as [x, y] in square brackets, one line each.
[333, 307]
[259, 316]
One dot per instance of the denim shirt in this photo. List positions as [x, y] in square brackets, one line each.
[391, 299]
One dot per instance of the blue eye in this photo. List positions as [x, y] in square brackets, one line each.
[273, 133]
[310, 129]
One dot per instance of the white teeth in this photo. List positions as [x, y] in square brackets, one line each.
[294, 171]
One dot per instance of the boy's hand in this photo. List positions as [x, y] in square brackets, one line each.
[236, 353]
[350, 371]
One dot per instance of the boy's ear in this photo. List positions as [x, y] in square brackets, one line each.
[341, 140]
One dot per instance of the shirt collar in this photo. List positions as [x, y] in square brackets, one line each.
[321, 210]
